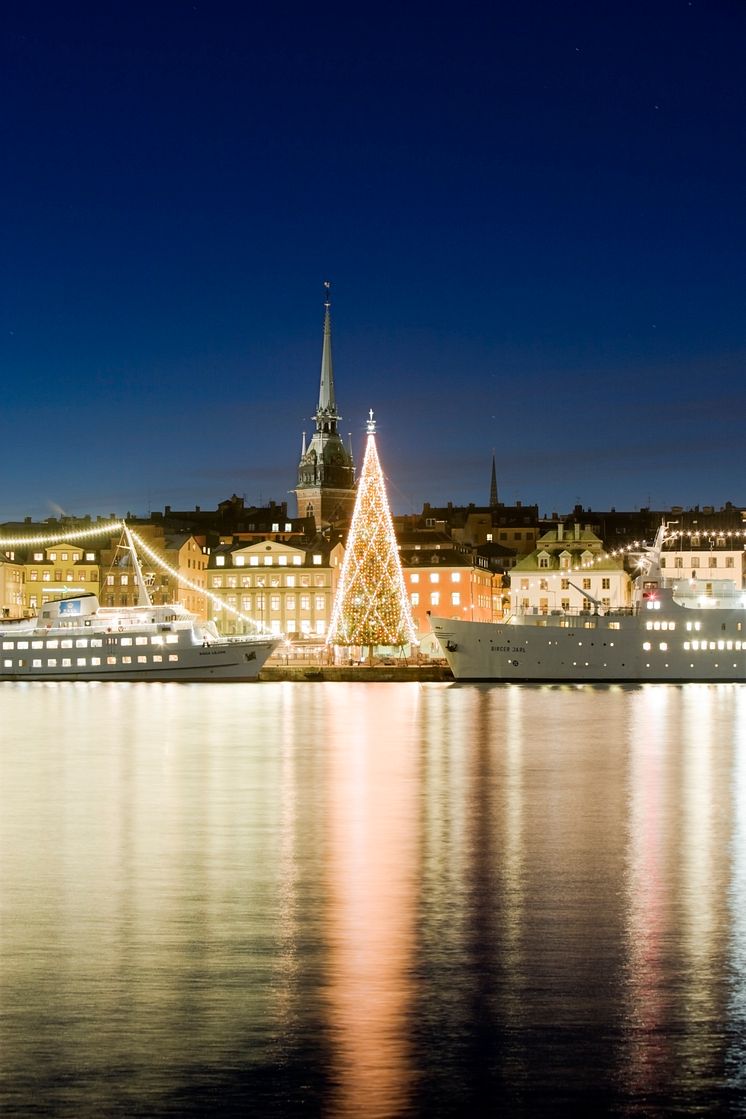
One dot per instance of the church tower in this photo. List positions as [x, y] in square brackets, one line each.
[326, 472]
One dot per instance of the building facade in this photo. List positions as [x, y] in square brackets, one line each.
[569, 571]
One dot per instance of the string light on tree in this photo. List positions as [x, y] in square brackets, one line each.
[371, 606]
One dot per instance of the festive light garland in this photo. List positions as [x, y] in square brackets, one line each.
[60, 537]
[371, 606]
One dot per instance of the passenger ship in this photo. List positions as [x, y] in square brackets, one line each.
[675, 630]
[75, 638]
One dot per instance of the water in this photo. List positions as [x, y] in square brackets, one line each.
[372, 900]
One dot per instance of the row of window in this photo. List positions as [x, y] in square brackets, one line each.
[230, 581]
[83, 576]
[266, 561]
[414, 598]
[700, 646]
[259, 602]
[85, 662]
[92, 642]
[694, 561]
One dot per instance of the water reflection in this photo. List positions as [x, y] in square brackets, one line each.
[372, 899]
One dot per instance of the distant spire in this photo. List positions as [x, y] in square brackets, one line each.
[493, 485]
[327, 403]
[303, 447]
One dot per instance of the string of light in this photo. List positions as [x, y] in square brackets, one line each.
[68, 537]
[161, 563]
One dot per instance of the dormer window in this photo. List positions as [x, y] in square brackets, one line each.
[565, 561]
[544, 559]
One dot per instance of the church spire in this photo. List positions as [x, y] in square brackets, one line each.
[326, 413]
[493, 485]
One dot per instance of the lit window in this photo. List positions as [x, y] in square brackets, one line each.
[646, 646]
[455, 576]
[239, 561]
[434, 577]
[416, 598]
[317, 560]
[455, 598]
[435, 598]
[267, 561]
[414, 578]
[283, 561]
[220, 561]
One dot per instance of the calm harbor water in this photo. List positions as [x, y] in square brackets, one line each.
[372, 900]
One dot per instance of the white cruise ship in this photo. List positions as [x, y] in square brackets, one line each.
[675, 630]
[75, 638]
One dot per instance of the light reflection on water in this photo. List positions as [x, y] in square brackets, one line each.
[353, 899]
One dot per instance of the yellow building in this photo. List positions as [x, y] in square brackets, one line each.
[58, 570]
[11, 587]
[183, 553]
[281, 587]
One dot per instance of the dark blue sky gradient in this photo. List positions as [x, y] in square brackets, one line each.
[532, 215]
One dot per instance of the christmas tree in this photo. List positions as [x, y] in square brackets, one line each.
[371, 606]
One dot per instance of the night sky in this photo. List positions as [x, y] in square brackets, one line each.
[532, 215]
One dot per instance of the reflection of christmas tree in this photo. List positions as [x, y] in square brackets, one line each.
[371, 606]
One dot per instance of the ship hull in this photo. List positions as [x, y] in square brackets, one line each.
[238, 662]
[681, 646]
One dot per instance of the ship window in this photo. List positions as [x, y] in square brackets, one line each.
[37, 644]
[8, 645]
[36, 664]
[96, 642]
[646, 646]
[95, 660]
[111, 660]
[157, 658]
[53, 643]
[66, 662]
[126, 640]
[171, 639]
[648, 625]
[22, 645]
[51, 662]
[81, 661]
[126, 660]
[173, 656]
[142, 660]
[81, 643]
[687, 645]
[141, 641]
[66, 643]
[663, 646]
[614, 625]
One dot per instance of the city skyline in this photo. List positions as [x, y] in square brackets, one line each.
[532, 221]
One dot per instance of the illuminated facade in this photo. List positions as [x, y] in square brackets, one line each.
[448, 582]
[53, 572]
[326, 473]
[566, 572]
[11, 588]
[282, 587]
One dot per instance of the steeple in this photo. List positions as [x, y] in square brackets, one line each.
[326, 413]
[493, 485]
[326, 471]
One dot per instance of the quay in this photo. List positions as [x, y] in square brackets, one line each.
[363, 673]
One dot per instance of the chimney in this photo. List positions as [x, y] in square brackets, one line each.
[560, 531]
[576, 527]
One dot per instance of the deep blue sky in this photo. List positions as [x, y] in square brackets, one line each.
[532, 215]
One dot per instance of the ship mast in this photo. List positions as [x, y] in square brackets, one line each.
[143, 595]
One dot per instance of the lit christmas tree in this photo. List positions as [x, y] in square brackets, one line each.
[371, 606]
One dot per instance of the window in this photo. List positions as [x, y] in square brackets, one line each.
[220, 561]
[317, 560]
[217, 580]
[455, 576]
[713, 561]
[290, 602]
[434, 577]
[38, 557]
[414, 577]
[320, 601]
[455, 598]
[543, 585]
[305, 602]
[678, 561]
[289, 580]
[435, 598]
[729, 561]
[606, 583]
[267, 561]
[239, 561]
[564, 584]
[274, 602]
[415, 598]
[586, 584]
